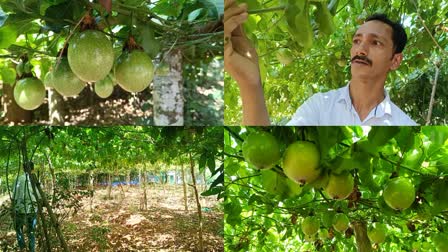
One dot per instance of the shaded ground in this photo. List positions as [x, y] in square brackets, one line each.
[119, 225]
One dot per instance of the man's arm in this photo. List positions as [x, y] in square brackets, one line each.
[241, 62]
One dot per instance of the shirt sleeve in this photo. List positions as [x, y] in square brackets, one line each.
[307, 113]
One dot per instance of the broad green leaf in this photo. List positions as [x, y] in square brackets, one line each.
[8, 75]
[8, 36]
[379, 136]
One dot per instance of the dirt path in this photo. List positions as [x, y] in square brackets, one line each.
[119, 225]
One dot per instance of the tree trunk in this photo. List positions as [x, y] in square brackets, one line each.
[53, 219]
[362, 240]
[128, 180]
[53, 180]
[14, 113]
[168, 91]
[144, 200]
[109, 186]
[205, 181]
[56, 112]
[198, 203]
[184, 186]
[92, 189]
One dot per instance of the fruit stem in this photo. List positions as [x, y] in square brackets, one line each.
[278, 8]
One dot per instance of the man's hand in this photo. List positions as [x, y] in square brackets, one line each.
[241, 62]
[240, 57]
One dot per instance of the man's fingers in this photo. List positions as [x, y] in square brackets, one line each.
[232, 23]
[234, 11]
[228, 3]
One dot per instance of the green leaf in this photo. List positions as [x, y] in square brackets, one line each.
[196, 14]
[328, 137]
[148, 41]
[8, 35]
[211, 6]
[406, 138]
[56, 14]
[202, 161]
[8, 75]
[379, 136]
[171, 8]
[213, 191]
[437, 134]
[218, 180]
[211, 163]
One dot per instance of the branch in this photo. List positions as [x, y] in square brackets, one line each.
[433, 93]
[426, 28]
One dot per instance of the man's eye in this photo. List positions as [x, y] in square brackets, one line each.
[356, 41]
[376, 42]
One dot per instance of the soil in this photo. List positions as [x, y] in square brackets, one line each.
[119, 223]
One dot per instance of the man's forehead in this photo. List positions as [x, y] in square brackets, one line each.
[375, 28]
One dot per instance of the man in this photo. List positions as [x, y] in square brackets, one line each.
[25, 207]
[376, 49]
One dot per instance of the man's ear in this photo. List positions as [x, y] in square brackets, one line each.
[396, 61]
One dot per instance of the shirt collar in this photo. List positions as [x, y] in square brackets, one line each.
[380, 110]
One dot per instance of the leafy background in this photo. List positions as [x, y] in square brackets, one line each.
[325, 65]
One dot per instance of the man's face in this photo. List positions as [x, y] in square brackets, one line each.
[372, 52]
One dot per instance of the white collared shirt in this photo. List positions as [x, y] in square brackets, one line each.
[335, 108]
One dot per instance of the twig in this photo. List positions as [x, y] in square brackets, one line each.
[433, 93]
[426, 28]
[58, 60]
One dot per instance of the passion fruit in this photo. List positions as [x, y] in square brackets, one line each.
[29, 93]
[104, 88]
[90, 55]
[65, 81]
[261, 149]
[399, 193]
[301, 162]
[134, 71]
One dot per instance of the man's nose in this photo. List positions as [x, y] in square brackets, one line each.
[362, 49]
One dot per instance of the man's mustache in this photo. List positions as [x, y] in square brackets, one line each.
[363, 58]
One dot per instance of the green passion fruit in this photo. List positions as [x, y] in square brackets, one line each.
[29, 93]
[340, 186]
[65, 81]
[261, 149]
[104, 88]
[134, 71]
[399, 193]
[310, 225]
[90, 55]
[377, 233]
[301, 162]
[340, 222]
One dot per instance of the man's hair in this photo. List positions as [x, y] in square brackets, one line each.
[399, 36]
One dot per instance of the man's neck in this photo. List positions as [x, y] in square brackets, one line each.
[366, 95]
